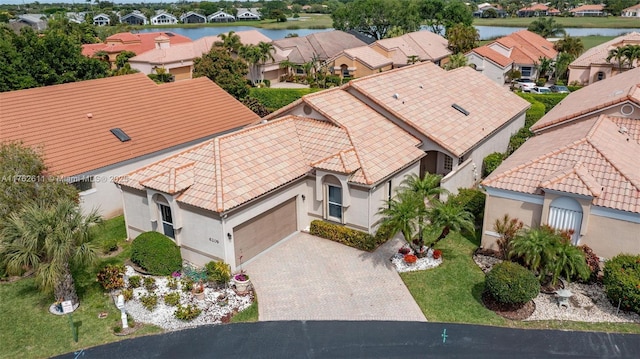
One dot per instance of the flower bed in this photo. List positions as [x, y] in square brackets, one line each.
[213, 310]
[427, 262]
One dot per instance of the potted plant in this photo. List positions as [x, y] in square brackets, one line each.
[198, 290]
[410, 259]
[242, 282]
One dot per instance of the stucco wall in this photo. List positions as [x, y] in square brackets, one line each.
[496, 208]
[381, 192]
[487, 68]
[136, 207]
[201, 237]
[609, 237]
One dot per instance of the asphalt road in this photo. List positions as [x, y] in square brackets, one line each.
[337, 339]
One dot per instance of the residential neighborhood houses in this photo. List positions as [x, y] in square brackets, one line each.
[579, 172]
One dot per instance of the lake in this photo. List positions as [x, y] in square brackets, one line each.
[486, 32]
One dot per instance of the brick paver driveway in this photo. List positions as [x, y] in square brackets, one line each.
[310, 278]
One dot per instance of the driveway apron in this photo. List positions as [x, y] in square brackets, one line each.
[309, 278]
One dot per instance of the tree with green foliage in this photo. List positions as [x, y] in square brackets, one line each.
[376, 18]
[122, 64]
[562, 65]
[221, 68]
[617, 54]
[30, 60]
[615, 7]
[455, 61]
[546, 26]
[462, 38]
[230, 42]
[51, 239]
[441, 15]
[570, 45]
[449, 216]
[544, 66]
[23, 178]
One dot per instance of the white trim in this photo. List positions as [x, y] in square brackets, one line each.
[492, 234]
[517, 196]
[615, 214]
[87, 192]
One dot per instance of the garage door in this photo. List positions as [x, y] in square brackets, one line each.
[263, 231]
[181, 73]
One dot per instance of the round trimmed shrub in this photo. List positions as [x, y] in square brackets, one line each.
[511, 283]
[156, 253]
[622, 281]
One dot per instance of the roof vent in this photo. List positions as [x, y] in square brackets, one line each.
[89, 115]
[623, 129]
[421, 86]
[396, 96]
[460, 109]
[263, 121]
[119, 133]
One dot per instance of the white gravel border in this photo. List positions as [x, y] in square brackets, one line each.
[163, 315]
[421, 264]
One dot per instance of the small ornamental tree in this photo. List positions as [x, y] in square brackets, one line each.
[511, 283]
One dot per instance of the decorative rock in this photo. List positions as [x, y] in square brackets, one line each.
[420, 264]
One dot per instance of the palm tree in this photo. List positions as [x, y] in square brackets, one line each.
[545, 65]
[545, 27]
[412, 59]
[427, 187]
[571, 45]
[618, 55]
[562, 64]
[405, 214]
[49, 239]
[631, 54]
[230, 42]
[450, 217]
[534, 246]
[251, 54]
[455, 61]
[287, 65]
[507, 228]
[266, 50]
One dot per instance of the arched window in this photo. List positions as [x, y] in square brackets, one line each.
[166, 216]
[566, 214]
[344, 69]
[600, 76]
[333, 199]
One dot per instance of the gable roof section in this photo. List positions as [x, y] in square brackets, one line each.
[588, 7]
[598, 54]
[72, 121]
[527, 47]
[322, 45]
[493, 56]
[137, 43]
[426, 93]
[591, 158]
[367, 56]
[599, 95]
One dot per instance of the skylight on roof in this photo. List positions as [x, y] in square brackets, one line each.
[120, 134]
[460, 109]
[170, 34]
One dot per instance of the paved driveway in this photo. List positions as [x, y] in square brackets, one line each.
[310, 278]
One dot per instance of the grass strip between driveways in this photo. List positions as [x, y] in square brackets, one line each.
[451, 293]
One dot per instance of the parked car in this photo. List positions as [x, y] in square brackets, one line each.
[559, 89]
[540, 90]
[524, 84]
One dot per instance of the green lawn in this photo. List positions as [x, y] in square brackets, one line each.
[28, 330]
[276, 98]
[451, 293]
[595, 40]
[583, 22]
[248, 315]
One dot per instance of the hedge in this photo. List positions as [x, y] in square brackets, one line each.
[156, 253]
[472, 200]
[491, 162]
[549, 100]
[622, 281]
[275, 98]
[511, 283]
[351, 237]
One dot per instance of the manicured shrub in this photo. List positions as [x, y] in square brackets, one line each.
[511, 283]
[341, 234]
[517, 139]
[535, 112]
[149, 283]
[472, 200]
[383, 234]
[156, 253]
[149, 301]
[276, 98]
[548, 100]
[491, 162]
[256, 106]
[111, 277]
[622, 281]
[219, 272]
[187, 313]
[134, 281]
[574, 87]
[172, 299]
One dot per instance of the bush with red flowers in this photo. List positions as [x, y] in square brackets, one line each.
[410, 258]
[437, 254]
[404, 251]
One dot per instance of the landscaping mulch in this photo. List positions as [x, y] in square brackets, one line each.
[513, 312]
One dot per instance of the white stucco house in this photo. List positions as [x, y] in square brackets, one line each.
[221, 16]
[92, 131]
[334, 155]
[101, 20]
[164, 19]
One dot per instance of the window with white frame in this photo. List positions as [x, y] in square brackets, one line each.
[525, 71]
[448, 163]
[334, 202]
[167, 220]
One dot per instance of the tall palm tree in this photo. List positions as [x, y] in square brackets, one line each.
[631, 54]
[251, 54]
[427, 187]
[450, 217]
[230, 42]
[618, 55]
[546, 26]
[266, 51]
[455, 61]
[405, 214]
[571, 45]
[287, 65]
[545, 65]
[49, 239]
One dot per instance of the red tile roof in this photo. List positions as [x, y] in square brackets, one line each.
[72, 121]
[595, 157]
[588, 8]
[137, 43]
[527, 47]
[598, 54]
[492, 55]
[599, 95]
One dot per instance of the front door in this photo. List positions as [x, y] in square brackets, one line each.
[167, 221]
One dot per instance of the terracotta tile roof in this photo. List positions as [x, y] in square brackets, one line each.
[493, 56]
[72, 121]
[235, 168]
[598, 54]
[322, 45]
[637, 6]
[587, 8]
[527, 47]
[601, 94]
[368, 56]
[426, 45]
[189, 51]
[138, 43]
[592, 157]
[536, 7]
[426, 93]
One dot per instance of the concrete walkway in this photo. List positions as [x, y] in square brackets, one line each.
[288, 85]
[310, 278]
